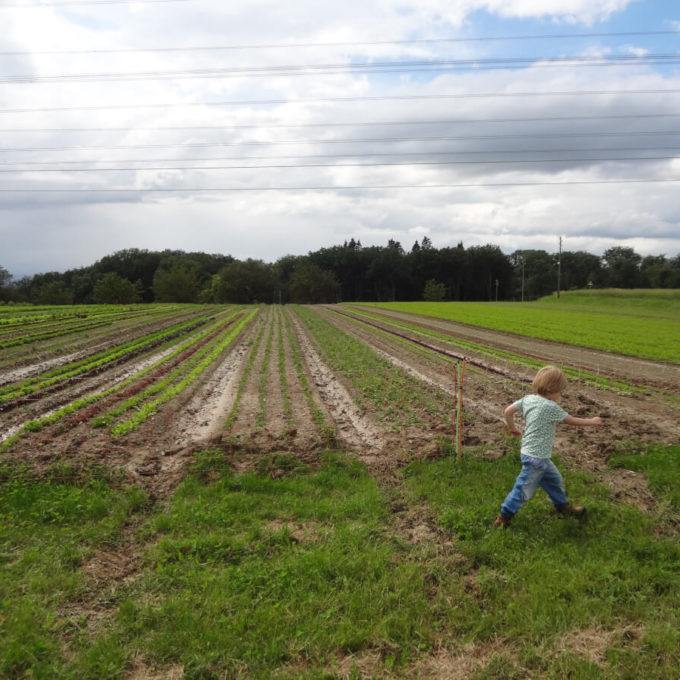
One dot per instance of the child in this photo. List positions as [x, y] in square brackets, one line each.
[541, 415]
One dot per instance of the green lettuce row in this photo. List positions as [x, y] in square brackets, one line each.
[185, 365]
[150, 407]
[77, 405]
[82, 366]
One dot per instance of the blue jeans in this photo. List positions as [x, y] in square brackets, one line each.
[534, 471]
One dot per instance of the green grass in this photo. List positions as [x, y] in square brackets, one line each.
[299, 571]
[258, 574]
[547, 577]
[47, 531]
[646, 326]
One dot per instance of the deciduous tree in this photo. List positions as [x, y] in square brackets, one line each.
[312, 285]
[55, 293]
[434, 291]
[175, 285]
[248, 282]
[622, 267]
[114, 289]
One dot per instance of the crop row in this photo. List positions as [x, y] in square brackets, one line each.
[282, 338]
[236, 406]
[27, 314]
[14, 395]
[399, 399]
[272, 372]
[85, 408]
[573, 373]
[32, 330]
[53, 332]
[317, 414]
[262, 380]
[52, 341]
[41, 329]
[174, 364]
[187, 373]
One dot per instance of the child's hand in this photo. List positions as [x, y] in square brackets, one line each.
[596, 420]
[513, 431]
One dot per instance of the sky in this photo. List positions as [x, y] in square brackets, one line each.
[261, 128]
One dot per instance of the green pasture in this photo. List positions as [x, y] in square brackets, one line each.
[650, 301]
[636, 323]
[314, 571]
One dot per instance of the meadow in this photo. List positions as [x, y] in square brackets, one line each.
[638, 323]
[288, 546]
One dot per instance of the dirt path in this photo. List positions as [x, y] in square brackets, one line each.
[356, 431]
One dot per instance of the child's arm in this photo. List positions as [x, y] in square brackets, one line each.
[509, 414]
[582, 422]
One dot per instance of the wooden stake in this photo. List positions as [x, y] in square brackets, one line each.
[454, 415]
[459, 428]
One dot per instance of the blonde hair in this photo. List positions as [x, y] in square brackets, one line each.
[549, 380]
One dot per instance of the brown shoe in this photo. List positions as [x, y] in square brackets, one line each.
[501, 522]
[570, 511]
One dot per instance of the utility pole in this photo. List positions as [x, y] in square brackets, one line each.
[559, 268]
[522, 278]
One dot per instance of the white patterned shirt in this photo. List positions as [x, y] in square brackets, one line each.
[541, 416]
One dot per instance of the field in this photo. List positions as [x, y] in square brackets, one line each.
[298, 492]
[627, 322]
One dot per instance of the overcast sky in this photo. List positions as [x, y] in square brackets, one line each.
[261, 128]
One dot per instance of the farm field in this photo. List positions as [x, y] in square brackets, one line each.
[637, 323]
[256, 492]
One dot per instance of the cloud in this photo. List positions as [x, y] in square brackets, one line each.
[571, 11]
[473, 153]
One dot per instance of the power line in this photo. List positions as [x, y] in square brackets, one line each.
[445, 121]
[367, 43]
[194, 145]
[449, 121]
[272, 102]
[347, 187]
[298, 166]
[316, 157]
[437, 66]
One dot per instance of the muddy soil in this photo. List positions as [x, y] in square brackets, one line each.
[356, 431]
[272, 410]
[260, 380]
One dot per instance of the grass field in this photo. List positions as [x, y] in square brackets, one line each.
[310, 576]
[647, 302]
[638, 323]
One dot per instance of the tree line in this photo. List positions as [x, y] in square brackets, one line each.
[342, 273]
